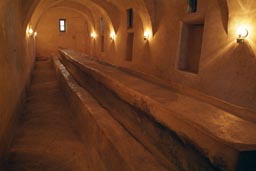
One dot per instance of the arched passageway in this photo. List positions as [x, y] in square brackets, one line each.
[167, 82]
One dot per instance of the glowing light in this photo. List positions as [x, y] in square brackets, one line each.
[147, 35]
[35, 34]
[93, 35]
[242, 33]
[112, 35]
[30, 31]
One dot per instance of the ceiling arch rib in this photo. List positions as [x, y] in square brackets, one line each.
[87, 19]
[141, 9]
[109, 9]
[38, 10]
[151, 11]
[27, 8]
[81, 8]
[144, 15]
[112, 10]
[224, 13]
[86, 6]
[96, 10]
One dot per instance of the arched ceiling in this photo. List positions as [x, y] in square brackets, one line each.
[83, 10]
[110, 10]
[80, 8]
[80, 11]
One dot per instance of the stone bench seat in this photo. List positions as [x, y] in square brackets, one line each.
[229, 142]
[109, 146]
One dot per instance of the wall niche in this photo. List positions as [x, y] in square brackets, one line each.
[190, 47]
[129, 48]
[191, 37]
[130, 34]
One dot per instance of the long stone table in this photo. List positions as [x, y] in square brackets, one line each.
[225, 140]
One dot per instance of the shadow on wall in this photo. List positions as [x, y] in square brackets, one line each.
[231, 48]
[153, 7]
[246, 47]
[213, 58]
[147, 53]
[224, 13]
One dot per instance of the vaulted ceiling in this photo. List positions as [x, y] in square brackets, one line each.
[109, 9]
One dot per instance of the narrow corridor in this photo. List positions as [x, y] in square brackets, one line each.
[46, 139]
[127, 85]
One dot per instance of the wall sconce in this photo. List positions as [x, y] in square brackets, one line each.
[242, 33]
[147, 35]
[93, 35]
[113, 35]
[30, 32]
[35, 34]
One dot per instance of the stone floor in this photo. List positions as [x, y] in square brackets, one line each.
[46, 140]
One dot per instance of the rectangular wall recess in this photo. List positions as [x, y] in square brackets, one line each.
[130, 18]
[129, 48]
[190, 47]
[102, 43]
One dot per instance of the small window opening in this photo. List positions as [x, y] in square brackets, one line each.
[130, 18]
[192, 6]
[62, 25]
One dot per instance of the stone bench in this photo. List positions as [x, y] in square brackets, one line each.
[193, 134]
[110, 146]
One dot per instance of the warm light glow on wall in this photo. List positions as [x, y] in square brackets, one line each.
[242, 28]
[93, 35]
[35, 34]
[112, 35]
[30, 31]
[242, 33]
[147, 35]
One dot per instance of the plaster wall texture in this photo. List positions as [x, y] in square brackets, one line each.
[16, 61]
[226, 68]
[49, 37]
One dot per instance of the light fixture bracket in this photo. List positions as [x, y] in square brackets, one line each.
[240, 40]
[242, 34]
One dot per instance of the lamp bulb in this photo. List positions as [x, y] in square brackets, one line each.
[147, 35]
[113, 35]
[242, 32]
[93, 35]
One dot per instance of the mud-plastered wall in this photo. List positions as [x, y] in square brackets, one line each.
[224, 70]
[192, 47]
[16, 61]
[50, 38]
